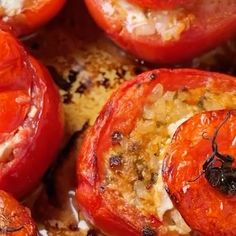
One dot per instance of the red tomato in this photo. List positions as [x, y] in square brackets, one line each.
[159, 4]
[104, 208]
[204, 207]
[168, 36]
[15, 220]
[31, 124]
[31, 15]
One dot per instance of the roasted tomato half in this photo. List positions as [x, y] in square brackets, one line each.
[31, 123]
[120, 188]
[24, 16]
[166, 35]
[15, 219]
[200, 172]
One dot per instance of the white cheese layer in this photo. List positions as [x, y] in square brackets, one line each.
[12, 7]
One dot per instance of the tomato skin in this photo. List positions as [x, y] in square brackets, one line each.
[192, 42]
[204, 208]
[32, 18]
[121, 111]
[15, 218]
[159, 4]
[22, 174]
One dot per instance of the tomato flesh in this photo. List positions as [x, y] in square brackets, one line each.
[204, 207]
[15, 219]
[165, 36]
[28, 16]
[31, 122]
[101, 204]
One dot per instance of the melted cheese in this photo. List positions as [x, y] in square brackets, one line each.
[12, 7]
[169, 25]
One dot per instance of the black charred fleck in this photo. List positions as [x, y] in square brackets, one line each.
[59, 80]
[72, 76]
[218, 168]
[153, 76]
[116, 137]
[91, 232]
[105, 82]
[73, 227]
[115, 161]
[67, 98]
[148, 232]
[82, 88]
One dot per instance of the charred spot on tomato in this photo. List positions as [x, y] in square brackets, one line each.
[218, 169]
[115, 161]
[102, 189]
[117, 137]
[174, 196]
[153, 76]
[147, 231]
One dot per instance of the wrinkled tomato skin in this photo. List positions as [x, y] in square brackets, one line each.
[32, 18]
[159, 4]
[120, 113]
[15, 218]
[23, 173]
[204, 208]
[192, 42]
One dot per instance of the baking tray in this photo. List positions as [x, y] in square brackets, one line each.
[87, 67]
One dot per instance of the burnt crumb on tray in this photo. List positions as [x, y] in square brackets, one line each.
[58, 79]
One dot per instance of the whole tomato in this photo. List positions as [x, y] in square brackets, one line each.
[31, 119]
[23, 17]
[165, 36]
[200, 172]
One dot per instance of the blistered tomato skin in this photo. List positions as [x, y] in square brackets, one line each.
[169, 39]
[30, 18]
[106, 210]
[31, 118]
[204, 206]
[15, 219]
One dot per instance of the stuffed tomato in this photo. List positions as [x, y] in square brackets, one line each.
[31, 119]
[15, 219]
[200, 172]
[120, 186]
[24, 16]
[170, 33]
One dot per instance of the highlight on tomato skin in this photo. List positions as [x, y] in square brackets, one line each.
[15, 219]
[165, 36]
[24, 17]
[31, 118]
[104, 162]
[203, 204]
